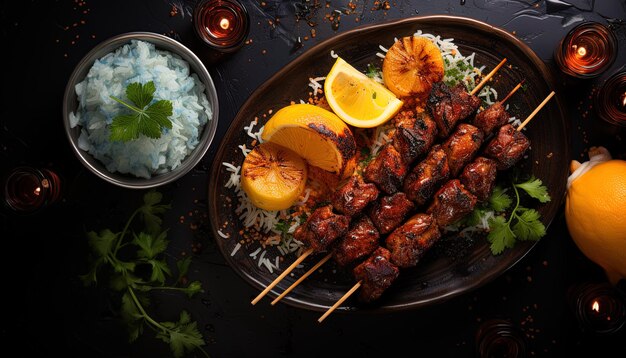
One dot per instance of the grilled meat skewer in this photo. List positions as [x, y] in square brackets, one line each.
[376, 274]
[414, 135]
[353, 196]
[479, 177]
[450, 105]
[410, 241]
[358, 243]
[387, 170]
[422, 182]
[322, 228]
[508, 147]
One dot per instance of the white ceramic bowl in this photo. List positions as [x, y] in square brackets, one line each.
[70, 104]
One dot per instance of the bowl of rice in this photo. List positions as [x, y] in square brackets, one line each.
[90, 106]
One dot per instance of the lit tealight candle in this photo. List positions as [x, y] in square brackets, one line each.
[587, 50]
[222, 24]
[610, 99]
[499, 338]
[27, 189]
[598, 308]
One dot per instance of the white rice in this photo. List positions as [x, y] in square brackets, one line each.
[140, 61]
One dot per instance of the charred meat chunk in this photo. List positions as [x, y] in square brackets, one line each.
[508, 147]
[387, 170]
[390, 211]
[414, 135]
[427, 176]
[376, 274]
[451, 203]
[322, 228]
[358, 243]
[461, 147]
[449, 105]
[479, 177]
[353, 196]
[491, 118]
[409, 242]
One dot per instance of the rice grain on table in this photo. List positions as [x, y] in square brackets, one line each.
[139, 61]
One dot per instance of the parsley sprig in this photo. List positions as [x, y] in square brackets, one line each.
[522, 223]
[135, 265]
[145, 118]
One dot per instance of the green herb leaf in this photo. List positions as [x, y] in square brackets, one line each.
[102, 244]
[150, 247]
[193, 288]
[147, 119]
[182, 336]
[499, 200]
[500, 235]
[159, 270]
[522, 223]
[528, 226]
[151, 210]
[372, 71]
[535, 189]
[183, 267]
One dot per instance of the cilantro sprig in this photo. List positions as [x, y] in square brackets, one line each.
[522, 223]
[134, 263]
[145, 118]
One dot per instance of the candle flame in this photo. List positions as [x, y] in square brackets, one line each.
[596, 306]
[624, 99]
[37, 191]
[581, 51]
[224, 23]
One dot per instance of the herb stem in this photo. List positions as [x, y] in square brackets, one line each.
[143, 312]
[516, 205]
[121, 238]
[150, 288]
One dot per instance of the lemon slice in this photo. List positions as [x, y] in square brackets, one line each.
[316, 134]
[273, 176]
[357, 99]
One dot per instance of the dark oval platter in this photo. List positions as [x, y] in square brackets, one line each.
[454, 266]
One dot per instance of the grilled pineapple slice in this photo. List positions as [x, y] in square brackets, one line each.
[411, 66]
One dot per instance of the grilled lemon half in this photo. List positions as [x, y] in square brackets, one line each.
[273, 177]
[411, 66]
[316, 134]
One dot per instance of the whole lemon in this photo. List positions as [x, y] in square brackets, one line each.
[595, 211]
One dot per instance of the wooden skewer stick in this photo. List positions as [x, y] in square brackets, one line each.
[282, 275]
[513, 91]
[307, 274]
[535, 111]
[493, 72]
[340, 301]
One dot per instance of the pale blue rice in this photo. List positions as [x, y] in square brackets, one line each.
[139, 61]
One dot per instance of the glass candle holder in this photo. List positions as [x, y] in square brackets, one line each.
[28, 189]
[222, 24]
[498, 338]
[598, 307]
[610, 99]
[587, 50]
